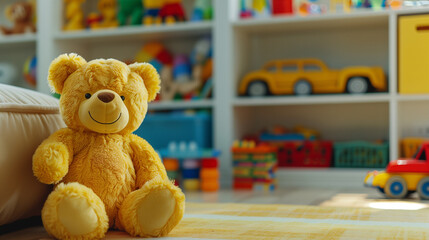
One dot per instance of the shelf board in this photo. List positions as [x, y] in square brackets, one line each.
[176, 105]
[322, 177]
[314, 99]
[18, 39]
[412, 97]
[297, 22]
[122, 33]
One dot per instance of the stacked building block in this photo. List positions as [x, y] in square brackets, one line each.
[254, 166]
[209, 174]
[196, 168]
[191, 174]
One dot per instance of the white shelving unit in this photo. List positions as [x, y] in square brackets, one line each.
[240, 46]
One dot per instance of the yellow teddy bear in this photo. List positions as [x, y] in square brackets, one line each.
[105, 176]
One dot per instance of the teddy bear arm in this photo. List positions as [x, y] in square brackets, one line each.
[146, 161]
[53, 157]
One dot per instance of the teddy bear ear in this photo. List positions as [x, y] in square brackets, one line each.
[150, 78]
[61, 68]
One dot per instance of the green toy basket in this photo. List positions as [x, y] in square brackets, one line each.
[361, 154]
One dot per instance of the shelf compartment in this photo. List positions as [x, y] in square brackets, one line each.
[412, 97]
[335, 122]
[18, 40]
[176, 105]
[310, 100]
[296, 22]
[127, 32]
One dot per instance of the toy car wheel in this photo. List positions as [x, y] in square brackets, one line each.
[396, 187]
[423, 188]
[302, 87]
[357, 85]
[257, 89]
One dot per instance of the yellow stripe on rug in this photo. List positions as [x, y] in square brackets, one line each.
[251, 221]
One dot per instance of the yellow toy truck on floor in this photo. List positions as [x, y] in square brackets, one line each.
[306, 76]
[404, 176]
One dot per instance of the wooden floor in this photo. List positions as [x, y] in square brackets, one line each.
[326, 197]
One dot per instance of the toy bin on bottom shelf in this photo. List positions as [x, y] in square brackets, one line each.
[191, 168]
[254, 166]
[159, 129]
[361, 154]
[303, 153]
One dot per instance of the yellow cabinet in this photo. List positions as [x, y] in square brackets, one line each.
[413, 54]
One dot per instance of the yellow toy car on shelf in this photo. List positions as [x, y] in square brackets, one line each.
[306, 76]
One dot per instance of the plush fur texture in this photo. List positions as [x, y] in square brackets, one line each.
[97, 161]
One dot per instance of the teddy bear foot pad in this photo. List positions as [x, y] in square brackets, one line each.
[74, 211]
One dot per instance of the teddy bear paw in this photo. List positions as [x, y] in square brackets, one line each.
[73, 211]
[153, 210]
[50, 162]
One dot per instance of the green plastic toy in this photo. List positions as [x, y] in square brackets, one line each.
[130, 12]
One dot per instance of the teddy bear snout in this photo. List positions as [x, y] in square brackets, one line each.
[106, 97]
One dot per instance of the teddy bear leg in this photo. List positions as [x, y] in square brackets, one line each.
[74, 211]
[153, 210]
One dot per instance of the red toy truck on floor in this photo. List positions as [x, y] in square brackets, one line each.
[403, 176]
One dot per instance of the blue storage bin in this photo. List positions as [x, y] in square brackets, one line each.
[159, 129]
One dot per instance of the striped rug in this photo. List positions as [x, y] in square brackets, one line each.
[253, 221]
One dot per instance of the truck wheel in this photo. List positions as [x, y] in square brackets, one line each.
[257, 89]
[423, 188]
[357, 85]
[302, 87]
[396, 187]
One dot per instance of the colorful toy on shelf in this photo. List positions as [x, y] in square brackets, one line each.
[7, 73]
[280, 7]
[209, 174]
[254, 166]
[74, 15]
[30, 71]
[181, 69]
[307, 76]
[361, 154]
[156, 54]
[108, 10]
[130, 12]
[298, 148]
[403, 176]
[21, 14]
[172, 11]
[203, 10]
[93, 18]
[340, 5]
[246, 10]
[199, 167]
[184, 81]
[261, 8]
[152, 9]
[411, 145]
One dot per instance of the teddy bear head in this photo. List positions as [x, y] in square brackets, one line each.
[103, 95]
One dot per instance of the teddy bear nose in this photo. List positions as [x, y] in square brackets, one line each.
[106, 97]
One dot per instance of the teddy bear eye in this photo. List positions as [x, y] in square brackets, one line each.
[87, 95]
[123, 98]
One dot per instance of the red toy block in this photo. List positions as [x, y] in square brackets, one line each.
[209, 163]
[282, 7]
[243, 183]
[173, 9]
